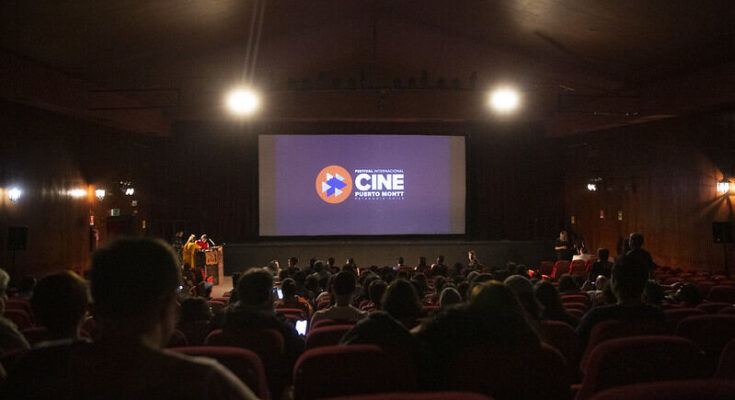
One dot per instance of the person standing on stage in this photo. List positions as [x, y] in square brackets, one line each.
[203, 242]
[563, 247]
[187, 253]
[473, 263]
[178, 244]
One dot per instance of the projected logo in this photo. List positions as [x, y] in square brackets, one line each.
[333, 184]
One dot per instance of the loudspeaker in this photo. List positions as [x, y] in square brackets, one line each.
[722, 232]
[17, 238]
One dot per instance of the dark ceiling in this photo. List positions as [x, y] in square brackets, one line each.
[595, 46]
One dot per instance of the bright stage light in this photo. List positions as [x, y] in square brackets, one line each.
[504, 100]
[129, 191]
[14, 194]
[723, 186]
[591, 187]
[100, 193]
[77, 193]
[243, 101]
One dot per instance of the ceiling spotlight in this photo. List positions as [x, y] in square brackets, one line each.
[100, 193]
[504, 100]
[723, 186]
[14, 194]
[592, 187]
[129, 191]
[243, 101]
[77, 193]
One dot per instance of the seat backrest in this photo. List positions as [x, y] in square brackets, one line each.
[560, 268]
[18, 303]
[577, 267]
[713, 307]
[244, 363]
[710, 332]
[725, 294]
[35, 335]
[268, 344]
[727, 310]
[576, 306]
[680, 390]
[292, 311]
[608, 330]
[349, 370]
[546, 267]
[177, 339]
[639, 359]
[326, 336]
[416, 396]
[19, 317]
[562, 337]
[674, 315]
[195, 331]
[325, 322]
[516, 373]
[726, 366]
[576, 298]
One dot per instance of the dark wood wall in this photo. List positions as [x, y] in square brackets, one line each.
[662, 177]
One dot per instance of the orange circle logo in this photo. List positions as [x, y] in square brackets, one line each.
[333, 184]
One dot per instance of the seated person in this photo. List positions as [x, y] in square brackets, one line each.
[254, 310]
[292, 300]
[59, 304]
[628, 282]
[376, 290]
[343, 289]
[653, 294]
[194, 309]
[10, 337]
[449, 297]
[553, 309]
[567, 285]
[600, 267]
[523, 289]
[134, 286]
[493, 316]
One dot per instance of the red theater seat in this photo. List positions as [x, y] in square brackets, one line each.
[710, 332]
[578, 267]
[546, 268]
[560, 268]
[712, 307]
[348, 370]
[326, 322]
[35, 335]
[511, 373]
[177, 339]
[626, 361]
[562, 337]
[297, 312]
[416, 396]
[675, 390]
[19, 317]
[724, 294]
[608, 330]
[674, 315]
[576, 298]
[726, 366]
[326, 336]
[195, 332]
[245, 364]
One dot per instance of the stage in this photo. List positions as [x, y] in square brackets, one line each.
[242, 256]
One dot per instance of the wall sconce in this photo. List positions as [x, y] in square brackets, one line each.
[723, 186]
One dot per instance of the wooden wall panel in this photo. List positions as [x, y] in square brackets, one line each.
[662, 176]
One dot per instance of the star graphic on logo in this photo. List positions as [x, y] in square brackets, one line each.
[333, 185]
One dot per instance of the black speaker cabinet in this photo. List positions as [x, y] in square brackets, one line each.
[17, 238]
[722, 232]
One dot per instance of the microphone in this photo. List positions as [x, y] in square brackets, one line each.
[211, 241]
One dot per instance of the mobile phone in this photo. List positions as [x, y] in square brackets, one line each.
[301, 327]
[279, 293]
[181, 288]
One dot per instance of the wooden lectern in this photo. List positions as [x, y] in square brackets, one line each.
[212, 261]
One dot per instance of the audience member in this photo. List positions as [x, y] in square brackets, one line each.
[688, 295]
[449, 297]
[195, 309]
[553, 309]
[134, 286]
[402, 303]
[638, 255]
[59, 304]
[376, 290]
[523, 289]
[600, 267]
[254, 310]
[493, 316]
[292, 300]
[653, 294]
[567, 285]
[10, 337]
[25, 289]
[343, 291]
[628, 282]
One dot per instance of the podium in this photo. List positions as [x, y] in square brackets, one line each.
[213, 263]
